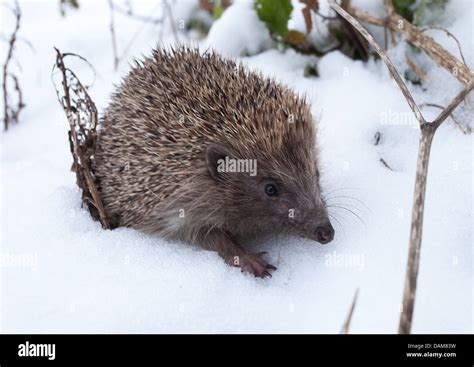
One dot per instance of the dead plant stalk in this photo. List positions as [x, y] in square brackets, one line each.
[428, 130]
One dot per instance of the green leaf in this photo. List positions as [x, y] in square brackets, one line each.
[426, 4]
[275, 14]
[218, 10]
[404, 8]
[419, 12]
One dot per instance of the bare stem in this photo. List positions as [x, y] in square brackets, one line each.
[81, 113]
[397, 24]
[383, 56]
[11, 114]
[427, 133]
[112, 33]
[424, 148]
[347, 323]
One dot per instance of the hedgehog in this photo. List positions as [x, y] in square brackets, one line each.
[197, 148]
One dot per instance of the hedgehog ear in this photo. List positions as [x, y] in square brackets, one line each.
[215, 158]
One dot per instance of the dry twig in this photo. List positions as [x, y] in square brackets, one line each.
[464, 129]
[82, 116]
[385, 164]
[347, 323]
[168, 9]
[131, 14]
[417, 38]
[428, 130]
[144, 19]
[11, 113]
[112, 34]
[452, 36]
[418, 71]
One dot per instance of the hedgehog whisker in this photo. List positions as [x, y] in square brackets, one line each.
[349, 197]
[349, 205]
[338, 222]
[350, 211]
[341, 188]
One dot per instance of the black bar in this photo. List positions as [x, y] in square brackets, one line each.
[241, 349]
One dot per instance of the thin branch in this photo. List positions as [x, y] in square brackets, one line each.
[15, 113]
[19, 39]
[427, 133]
[82, 115]
[383, 56]
[465, 130]
[449, 34]
[366, 17]
[11, 114]
[386, 165]
[325, 17]
[420, 73]
[113, 7]
[347, 323]
[456, 101]
[417, 38]
[143, 18]
[172, 22]
[136, 34]
[112, 34]
[416, 229]
[414, 250]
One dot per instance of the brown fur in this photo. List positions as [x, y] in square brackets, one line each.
[171, 116]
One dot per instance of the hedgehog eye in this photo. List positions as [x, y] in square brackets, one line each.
[270, 190]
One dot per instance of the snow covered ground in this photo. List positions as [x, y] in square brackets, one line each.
[60, 272]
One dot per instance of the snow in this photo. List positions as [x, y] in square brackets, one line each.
[239, 32]
[60, 272]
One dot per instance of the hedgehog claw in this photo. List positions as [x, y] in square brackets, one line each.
[254, 264]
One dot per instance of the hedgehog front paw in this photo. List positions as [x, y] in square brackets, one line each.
[253, 264]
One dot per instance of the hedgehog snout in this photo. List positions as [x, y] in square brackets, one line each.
[324, 233]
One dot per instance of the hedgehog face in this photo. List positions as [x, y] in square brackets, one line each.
[261, 200]
[292, 205]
